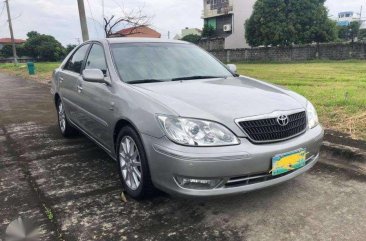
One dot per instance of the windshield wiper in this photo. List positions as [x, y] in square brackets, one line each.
[143, 81]
[198, 77]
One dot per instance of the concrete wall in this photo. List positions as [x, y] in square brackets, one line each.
[212, 44]
[333, 51]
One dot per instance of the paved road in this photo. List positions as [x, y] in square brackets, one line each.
[70, 189]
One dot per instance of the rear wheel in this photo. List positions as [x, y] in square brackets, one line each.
[133, 167]
[66, 129]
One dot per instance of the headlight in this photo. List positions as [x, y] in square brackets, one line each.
[195, 132]
[313, 119]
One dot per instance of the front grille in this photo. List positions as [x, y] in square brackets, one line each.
[268, 130]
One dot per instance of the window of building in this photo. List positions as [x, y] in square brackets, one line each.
[212, 22]
[217, 4]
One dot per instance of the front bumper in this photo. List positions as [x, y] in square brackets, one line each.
[245, 162]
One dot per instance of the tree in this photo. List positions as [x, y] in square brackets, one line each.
[132, 19]
[192, 38]
[350, 32]
[286, 22]
[208, 31]
[69, 48]
[362, 34]
[32, 34]
[7, 51]
[43, 47]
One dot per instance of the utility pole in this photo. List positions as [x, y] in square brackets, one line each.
[11, 33]
[84, 26]
[361, 14]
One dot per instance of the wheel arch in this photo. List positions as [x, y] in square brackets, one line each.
[117, 128]
[56, 99]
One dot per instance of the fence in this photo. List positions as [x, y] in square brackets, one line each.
[328, 51]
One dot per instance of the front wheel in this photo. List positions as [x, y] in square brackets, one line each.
[66, 129]
[133, 167]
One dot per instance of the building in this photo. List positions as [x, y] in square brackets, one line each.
[345, 18]
[7, 41]
[137, 32]
[188, 31]
[228, 18]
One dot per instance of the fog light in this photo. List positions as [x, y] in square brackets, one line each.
[198, 184]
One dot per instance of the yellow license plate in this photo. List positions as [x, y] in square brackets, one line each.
[286, 162]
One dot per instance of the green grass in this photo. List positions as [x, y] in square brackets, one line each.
[48, 212]
[43, 70]
[336, 88]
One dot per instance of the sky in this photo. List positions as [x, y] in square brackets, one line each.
[60, 17]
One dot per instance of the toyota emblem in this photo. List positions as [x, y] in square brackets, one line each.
[283, 120]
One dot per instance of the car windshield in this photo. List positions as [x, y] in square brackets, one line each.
[156, 62]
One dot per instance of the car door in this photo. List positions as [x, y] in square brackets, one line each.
[96, 99]
[68, 81]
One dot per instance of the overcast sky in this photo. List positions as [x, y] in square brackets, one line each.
[60, 17]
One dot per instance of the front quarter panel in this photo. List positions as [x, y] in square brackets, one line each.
[139, 109]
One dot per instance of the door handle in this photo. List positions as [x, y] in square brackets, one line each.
[60, 79]
[80, 89]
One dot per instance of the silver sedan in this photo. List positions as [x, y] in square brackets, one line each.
[177, 119]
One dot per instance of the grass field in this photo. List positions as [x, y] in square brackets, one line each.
[336, 88]
[43, 70]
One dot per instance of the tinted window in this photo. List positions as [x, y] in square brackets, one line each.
[164, 61]
[96, 59]
[76, 61]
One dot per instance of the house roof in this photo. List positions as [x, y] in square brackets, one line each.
[8, 41]
[140, 32]
[349, 12]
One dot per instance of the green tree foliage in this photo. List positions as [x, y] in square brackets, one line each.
[193, 38]
[362, 34]
[350, 32]
[32, 34]
[69, 48]
[286, 22]
[44, 47]
[208, 31]
[7, 51]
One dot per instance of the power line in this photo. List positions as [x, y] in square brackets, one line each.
[2, 10]
[91, 14]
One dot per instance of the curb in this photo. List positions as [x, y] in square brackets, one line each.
[348, 158]
[345, 152]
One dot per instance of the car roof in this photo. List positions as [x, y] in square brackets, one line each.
[142, 40]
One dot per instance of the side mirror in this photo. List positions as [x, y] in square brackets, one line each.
[232, 68]
[94, 75]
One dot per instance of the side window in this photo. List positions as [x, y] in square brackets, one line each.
[77, 59]
[96, 59]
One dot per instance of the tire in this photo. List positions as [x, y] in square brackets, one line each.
[66, 129]
[133, 167]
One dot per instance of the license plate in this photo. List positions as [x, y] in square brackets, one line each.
[289, 161]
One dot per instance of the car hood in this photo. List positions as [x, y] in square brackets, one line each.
[222, 100]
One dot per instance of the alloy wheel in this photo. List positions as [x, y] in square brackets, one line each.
[130, 163]
[61, 117]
